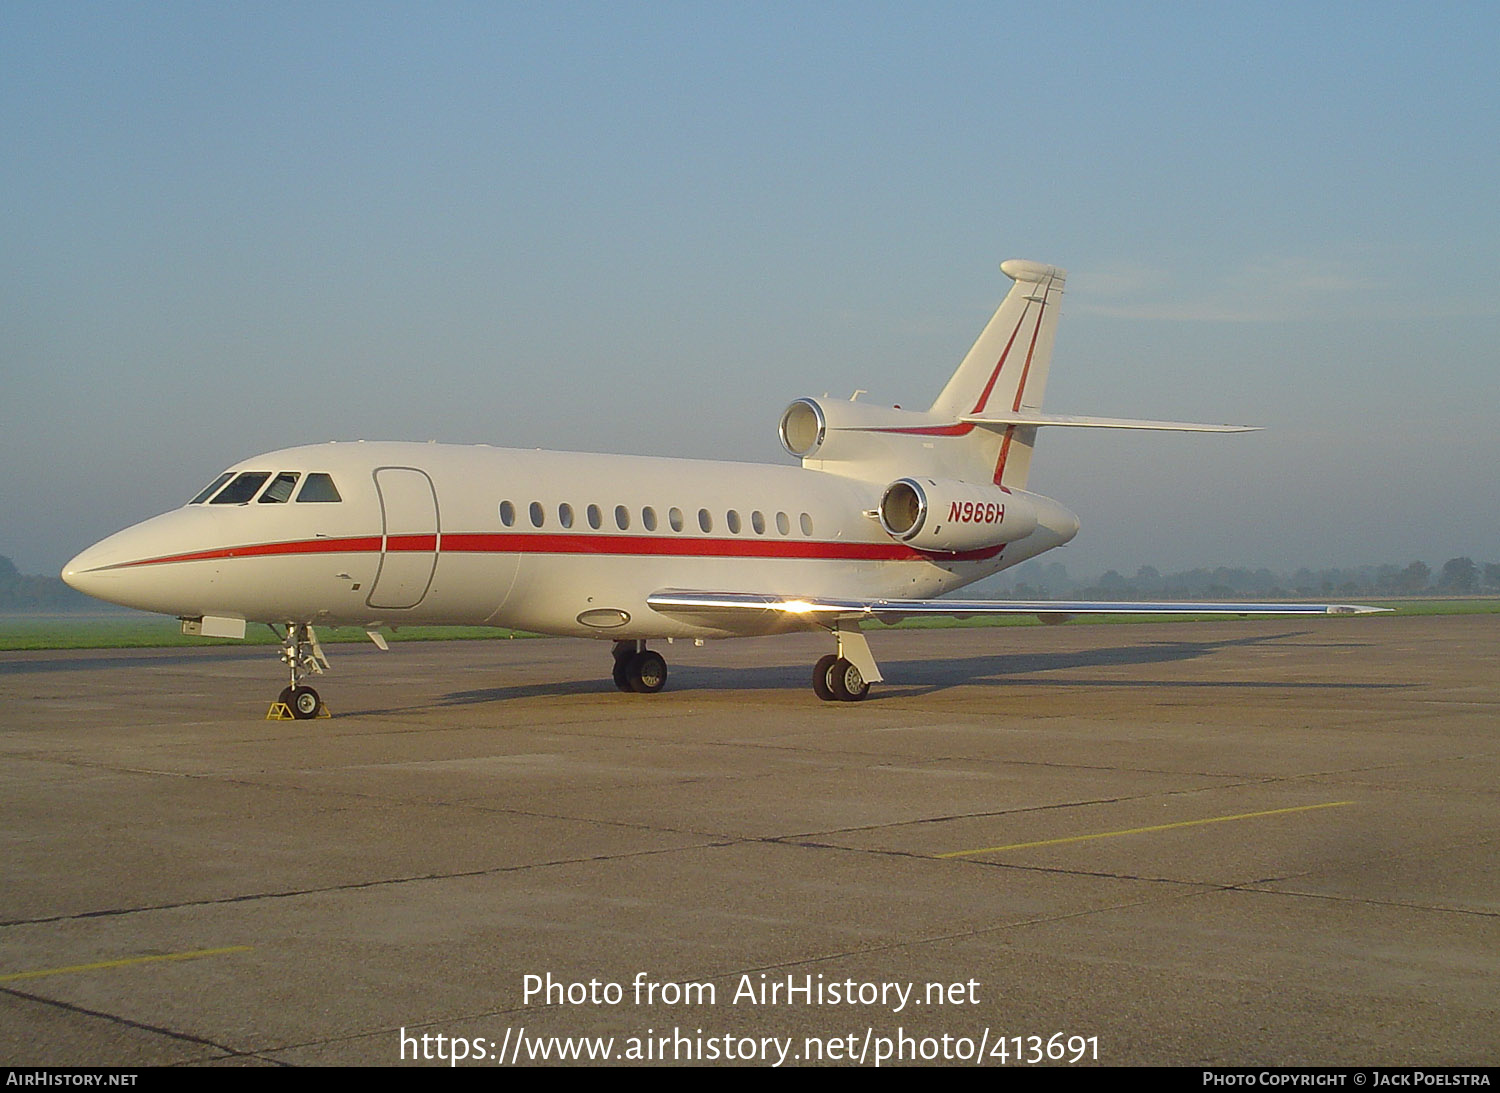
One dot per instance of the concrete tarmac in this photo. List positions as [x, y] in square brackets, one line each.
[1223, 843]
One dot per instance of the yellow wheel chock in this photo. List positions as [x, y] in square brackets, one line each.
[280, 711]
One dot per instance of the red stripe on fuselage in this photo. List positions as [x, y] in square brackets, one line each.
[555, 543]
[259, 550]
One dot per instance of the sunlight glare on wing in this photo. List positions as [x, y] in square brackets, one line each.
[796, 607]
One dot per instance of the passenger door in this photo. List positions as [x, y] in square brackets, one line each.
[410, 537]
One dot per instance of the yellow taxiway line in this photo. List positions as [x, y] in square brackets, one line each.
[1141, 830]
[124, 962]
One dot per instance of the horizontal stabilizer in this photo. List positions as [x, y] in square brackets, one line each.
[1000, 421]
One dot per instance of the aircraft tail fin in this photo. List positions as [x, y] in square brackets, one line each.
[1005, 373]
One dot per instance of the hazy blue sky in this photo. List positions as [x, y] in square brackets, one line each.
[227, 228]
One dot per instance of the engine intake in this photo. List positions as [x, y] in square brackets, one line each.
[803, 428]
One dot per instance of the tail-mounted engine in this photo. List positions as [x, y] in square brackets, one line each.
[951, 517]
[873, 442]
[831, 429]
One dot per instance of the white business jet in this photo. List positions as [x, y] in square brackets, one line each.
[889, 509]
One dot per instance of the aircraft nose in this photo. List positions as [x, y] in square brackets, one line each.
[128, 567]
[88, 572]
[111, 570]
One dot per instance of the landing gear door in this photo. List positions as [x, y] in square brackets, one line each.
[409, 537]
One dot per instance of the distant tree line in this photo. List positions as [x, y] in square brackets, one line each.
[1051, 580]
[22, 593]
[1038, 580]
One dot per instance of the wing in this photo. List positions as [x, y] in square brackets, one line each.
[755, 612]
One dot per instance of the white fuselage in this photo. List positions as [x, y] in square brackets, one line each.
[553, 542]
[889, 510]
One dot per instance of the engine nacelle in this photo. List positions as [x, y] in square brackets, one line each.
[833, 429]
[952, 517]
[878, 443]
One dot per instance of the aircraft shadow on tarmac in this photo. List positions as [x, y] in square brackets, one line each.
[914, 678]
[87, 660]
[909, 678]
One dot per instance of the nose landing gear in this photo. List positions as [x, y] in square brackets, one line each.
[300, 652]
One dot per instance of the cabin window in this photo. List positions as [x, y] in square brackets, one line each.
[280, 489]
[758, 522]
[507, 513]
[705, 521]
[242, 489]
[318, 487]
[211, 489]
[648, 518]
[674, 517]
[806, 522]
[783, 525]
[622, 518]
[538, 516]
[733, 520]
[596, 518]
[565, 514]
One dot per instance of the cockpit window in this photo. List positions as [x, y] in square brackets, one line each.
[319, 487]
[242, 489]
[280, 489]
[211, 489]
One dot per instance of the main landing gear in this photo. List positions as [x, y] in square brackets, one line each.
[638, 669]
[845, 676]
[837, 680]
[300, 652]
